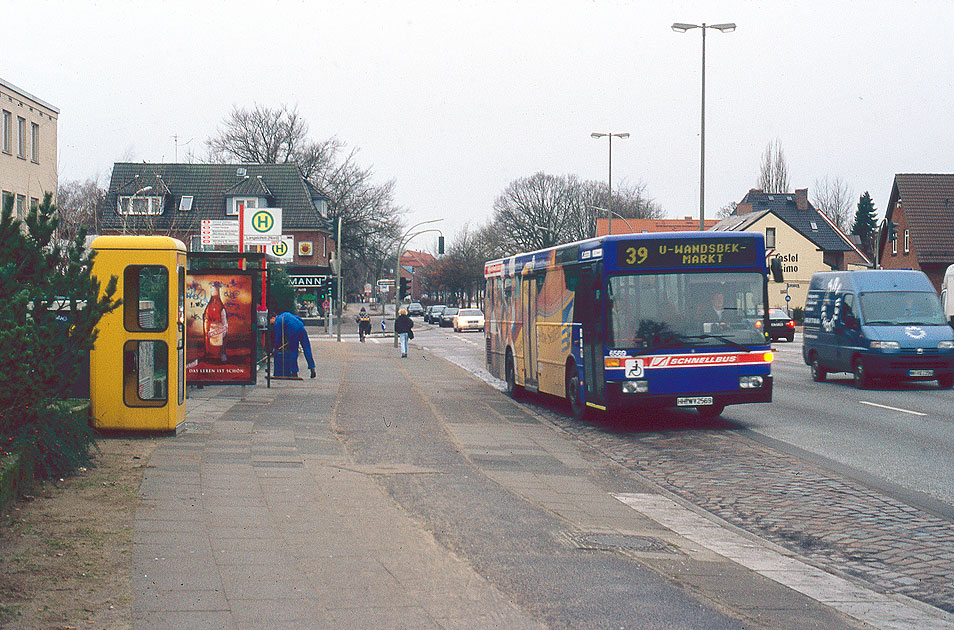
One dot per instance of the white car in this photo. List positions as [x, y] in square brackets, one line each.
[468, 319]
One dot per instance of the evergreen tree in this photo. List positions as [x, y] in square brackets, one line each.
[49, 308]
[866, 222]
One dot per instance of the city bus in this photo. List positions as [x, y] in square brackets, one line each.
[628, 322]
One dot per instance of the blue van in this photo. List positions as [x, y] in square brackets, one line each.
[877, 324]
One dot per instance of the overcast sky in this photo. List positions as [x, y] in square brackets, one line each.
[455, 100]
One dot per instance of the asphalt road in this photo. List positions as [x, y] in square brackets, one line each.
[898, 439]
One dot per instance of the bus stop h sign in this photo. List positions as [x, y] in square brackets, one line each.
[262, 226]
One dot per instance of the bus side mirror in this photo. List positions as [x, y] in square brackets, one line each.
[776, 266]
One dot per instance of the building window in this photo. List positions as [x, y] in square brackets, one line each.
[7, 198]
[7, 131]
[140, 205]
[35, 138]
[21, 137]
[21, 207]
[34, 203]
[894, 247]
[238, 203]
[907, 242]
[185, 204]
[770, 237]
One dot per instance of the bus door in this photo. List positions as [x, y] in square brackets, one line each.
[589, 312]
[531, 287]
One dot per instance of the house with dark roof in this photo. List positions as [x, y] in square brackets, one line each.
[175, 199]
[802, 238]
[922, 207]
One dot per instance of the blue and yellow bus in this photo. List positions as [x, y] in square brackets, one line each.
[633, 321]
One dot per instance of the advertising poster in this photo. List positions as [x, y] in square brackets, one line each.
[220, 324]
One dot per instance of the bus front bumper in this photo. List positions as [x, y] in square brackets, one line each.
[618, 399]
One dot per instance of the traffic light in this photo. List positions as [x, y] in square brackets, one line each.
[404, 288]
[892, 231]
[440, 244]
[333, 287]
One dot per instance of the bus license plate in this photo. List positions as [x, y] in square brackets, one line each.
[920, 372]
[694, 401]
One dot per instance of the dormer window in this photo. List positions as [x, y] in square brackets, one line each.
[814, 226]
[139, 204]
[238, 203]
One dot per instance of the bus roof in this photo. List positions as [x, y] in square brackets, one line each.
[595, 248]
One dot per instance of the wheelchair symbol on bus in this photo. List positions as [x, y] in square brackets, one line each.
[634, 368]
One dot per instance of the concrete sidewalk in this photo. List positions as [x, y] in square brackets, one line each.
[254, 516]
[392, 493]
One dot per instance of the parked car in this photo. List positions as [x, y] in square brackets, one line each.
[415, 308]
[447, 316]
[781, 326]
[433, 313]
[468, 319]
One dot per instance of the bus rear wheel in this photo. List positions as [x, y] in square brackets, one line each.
[574, 395]
[510, 375]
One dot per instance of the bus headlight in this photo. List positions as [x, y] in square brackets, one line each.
[750, 382]
[945, 345]
[635, 387]
[885, 345]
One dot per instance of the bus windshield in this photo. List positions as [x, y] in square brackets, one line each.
[678, 310]
[901, 308]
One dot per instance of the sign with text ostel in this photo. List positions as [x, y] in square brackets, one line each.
[220, 344]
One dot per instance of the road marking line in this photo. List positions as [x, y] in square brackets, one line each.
[913, 413]
[880, 611]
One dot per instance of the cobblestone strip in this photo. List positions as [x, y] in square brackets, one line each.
[834, 522]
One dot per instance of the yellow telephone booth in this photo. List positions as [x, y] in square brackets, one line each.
[137, 369]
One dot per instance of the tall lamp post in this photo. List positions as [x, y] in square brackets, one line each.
[404, 240]
[680, 27]
[609, 181]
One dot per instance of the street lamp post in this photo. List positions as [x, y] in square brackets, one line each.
[404, 240]
[618, 215]
[609, 181]
[681, 27]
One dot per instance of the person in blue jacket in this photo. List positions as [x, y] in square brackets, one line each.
[288, 332]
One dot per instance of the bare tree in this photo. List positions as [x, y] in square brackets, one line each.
[76, 206]
[535, 212]
[727, 210]
[773, 173]
[545, 210]
[262, 135]
[833, 197]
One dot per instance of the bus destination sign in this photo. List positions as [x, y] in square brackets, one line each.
[686, 253]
